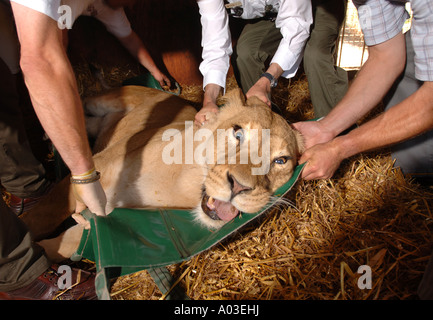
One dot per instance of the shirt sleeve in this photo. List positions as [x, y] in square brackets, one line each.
[380, 20]
[216, 42]
[49, 8]
[422, 38]
[115, 20]
[294, 20]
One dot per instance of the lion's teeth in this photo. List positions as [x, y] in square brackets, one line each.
[210, 203]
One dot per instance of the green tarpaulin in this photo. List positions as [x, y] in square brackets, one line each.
[129, 240]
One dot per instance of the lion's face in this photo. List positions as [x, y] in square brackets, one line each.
[265, 154]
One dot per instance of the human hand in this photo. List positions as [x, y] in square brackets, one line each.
[89, 193]
[262, 90]
[162, 79]
[313, 133]
[206, 114]
[322, 160]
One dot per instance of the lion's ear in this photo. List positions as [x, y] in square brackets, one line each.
[234, 97]
[299, 141]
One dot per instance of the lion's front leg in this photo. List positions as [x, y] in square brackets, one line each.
[63, 246]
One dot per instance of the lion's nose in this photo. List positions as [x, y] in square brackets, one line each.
[236, 186]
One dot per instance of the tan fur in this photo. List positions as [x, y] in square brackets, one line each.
[129, 123]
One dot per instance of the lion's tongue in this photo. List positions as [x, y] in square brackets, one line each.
[224, 210]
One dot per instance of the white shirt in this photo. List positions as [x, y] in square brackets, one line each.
[115, 21]
[294, 19]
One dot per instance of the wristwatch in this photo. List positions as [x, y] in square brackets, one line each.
[269, 76]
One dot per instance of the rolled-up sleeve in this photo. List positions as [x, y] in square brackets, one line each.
[294, 20]
[115, 21]
[216, 42]
[380, 20]
[49, 8]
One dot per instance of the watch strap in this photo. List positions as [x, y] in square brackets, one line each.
[271, 79]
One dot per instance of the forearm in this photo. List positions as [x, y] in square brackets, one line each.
[52, 86]
[55, 98]
[136, 48]
[385, 63]
[406, 120]
[211, 93]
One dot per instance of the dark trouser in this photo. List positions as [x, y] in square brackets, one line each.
[21, 261]
[327, 83]
[425, 289]
[20, 172]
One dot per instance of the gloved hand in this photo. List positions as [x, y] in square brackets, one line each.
[89, 193]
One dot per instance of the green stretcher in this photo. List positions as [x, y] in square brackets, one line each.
[131, 240]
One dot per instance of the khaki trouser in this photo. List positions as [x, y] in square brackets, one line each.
[327, 82]
[256, 46]
[259, 41]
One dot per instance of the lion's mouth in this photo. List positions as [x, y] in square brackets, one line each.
[217, 209]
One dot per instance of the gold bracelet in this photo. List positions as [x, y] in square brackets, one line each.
[95, 177]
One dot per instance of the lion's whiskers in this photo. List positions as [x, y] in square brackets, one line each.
[281, 203]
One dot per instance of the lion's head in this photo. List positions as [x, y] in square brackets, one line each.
[265, 150]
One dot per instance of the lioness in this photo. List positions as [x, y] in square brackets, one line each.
[150, 154]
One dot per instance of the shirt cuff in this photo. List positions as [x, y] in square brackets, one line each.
[287, 61]
[215, 76]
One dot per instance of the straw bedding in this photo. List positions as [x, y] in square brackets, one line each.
[310, 248]
[370, 215]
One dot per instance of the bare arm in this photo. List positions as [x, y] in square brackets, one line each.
[52, 86]
[411, 117]
[385, 63]
[136, 47]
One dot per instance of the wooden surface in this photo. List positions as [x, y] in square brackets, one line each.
[170, 29]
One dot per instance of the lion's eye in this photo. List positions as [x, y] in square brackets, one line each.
[282, 160]
[238, 133]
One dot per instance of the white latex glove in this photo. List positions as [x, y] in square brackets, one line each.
[89, 193]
